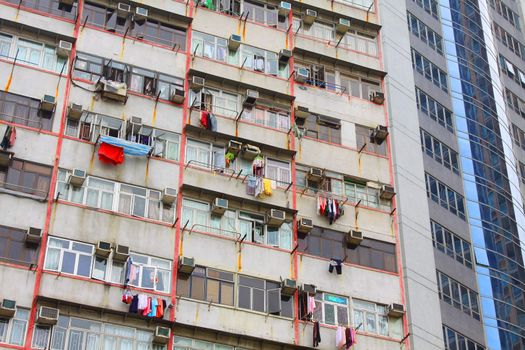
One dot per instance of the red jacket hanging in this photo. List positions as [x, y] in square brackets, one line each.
[110, 154]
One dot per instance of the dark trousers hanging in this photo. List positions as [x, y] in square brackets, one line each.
[316, 334]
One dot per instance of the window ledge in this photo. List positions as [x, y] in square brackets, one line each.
[23, 195]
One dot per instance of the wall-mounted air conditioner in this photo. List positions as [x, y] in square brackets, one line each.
[47, 315]
[74, 111]
[276, 217]
[33, 235]
[378, 98]
[342, 26]
[315, 175]
[284, 8]
[121, 253]
[123, 10]
[169, 195]
[396, 310]
[177, 96]
[115, 91]
[302, 75]
[197, 83]
[379, 134]
[64, 48]
[48, 103]
[103, 249]
[251, 97]
[249, 152]
[309, 17]
[310, 289]
[234, 147]
[76, 177]
[141, 14]
[284, 56]
[387, 192]
[219, 206]
[162, 335]
[354, 237]
[234, 42]
[305, 225]
[7, 308]
[288, 286]
[186, 265]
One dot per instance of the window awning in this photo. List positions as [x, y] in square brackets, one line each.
[130, 148]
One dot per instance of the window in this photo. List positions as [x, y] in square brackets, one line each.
[514, 102]
[26, 177]
[235, 223]
[201, 154]
[429, 70]
[209, 46]
[423, 32]
[522, 171]
[511, 16]
[439, 152]
[13, 330]
[278, 171]
[114, 196]
[263, 296]
[369, 196]
[69, 257]
[88, 67]
[509, 41]
[265, 14]
[152, 273]
[373, 317]
[331, 309]
[451, 244]
[32, 53]
[148, 29]
[208, 285]
[430, 6]
[13, 247]
[434, 110]
[54, 7]
[330, 244]
[457, 341]
[512, 71]
[518, 136]
[259, 60]
[216, 101]
[323, 128]
[79, 333]
[363, 139]
[454, 293]
[272, 118]
[445, 196]
[24, 110]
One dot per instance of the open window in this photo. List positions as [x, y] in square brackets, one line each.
[115, 71]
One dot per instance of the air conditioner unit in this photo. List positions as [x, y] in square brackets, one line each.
[284, 8]
[162, 335]
[379, 134]
[5, 157]
[197, 83]
[249, 152]
[310, 289]
[251, 97]
[48, 103]
[354, 237]
[33, 235]
[284, 56]
[234, 147]
[315, 175]
[378, 98]
[114, 91]
[76, 178]
[64, 48]
[288, 287]
[47, 315]
[342, 25]
[302, 75]
[387, 192]
[169, 195]
[186, 265]
[123, 10]
[133, 125]
[74, 111]
[121, 253]
[7, 308]
[177, 96]
[305, 225]
[309, 17]
[276, 217]
[234, 42]
[140, 14]
[103, 249]
[396, 310]
[301, 112]
[219, 206]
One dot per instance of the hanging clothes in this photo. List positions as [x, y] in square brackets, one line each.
[213, 122]
[229, 157]
[127, 270]
[110, 154]
[258, 166]
[267, 187]
[251, 185]
[337, 264]
[340, 337]
[205, 115]
[153, 311]
[353, 336]
[349, 340]
[9, 138]
[143, 302]
[161, 305]
[316, 334]
[259, 190]
[311, 304]
[134, 306]
[127, 297]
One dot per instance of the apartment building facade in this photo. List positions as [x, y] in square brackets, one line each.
[209, 175]
[468, 68]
